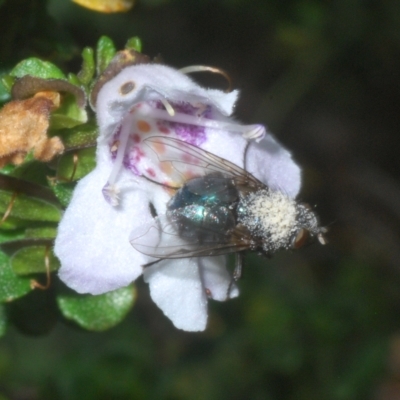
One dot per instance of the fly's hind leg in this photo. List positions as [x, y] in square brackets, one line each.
[237, 272]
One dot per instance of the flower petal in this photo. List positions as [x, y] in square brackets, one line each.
[216, 278]
[176, 288]
[273, 165]
[92, 241]
[152, 82]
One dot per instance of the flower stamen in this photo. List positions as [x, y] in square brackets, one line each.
[256, 132]
[110, 191]
[204, 68]
[168, 107]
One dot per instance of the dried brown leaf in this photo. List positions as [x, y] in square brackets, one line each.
[23, 128]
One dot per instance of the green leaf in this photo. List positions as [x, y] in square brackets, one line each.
[97, 313]
[7, 82]
[88, 67]
[134, 43]
[31, 260]
[68, 115]
[12, 286]
[63, 191]
[5, 88]
[41, 233]
[73, 79]
[29, 208]
[105, 52]
[33, 171]
[25, 202]
[36, 67]
[7, 236]
[30, 254]
[84, 135]
[77, 164]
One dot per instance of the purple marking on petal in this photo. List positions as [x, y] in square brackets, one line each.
[110, 194]
[192, 134]
[106, 193]
[132, 158]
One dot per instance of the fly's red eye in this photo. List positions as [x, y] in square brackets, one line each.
[301, 238]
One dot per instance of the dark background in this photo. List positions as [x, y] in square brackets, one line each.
[321, 323]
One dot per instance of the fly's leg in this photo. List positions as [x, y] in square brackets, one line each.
[237, 272]
[152, 263]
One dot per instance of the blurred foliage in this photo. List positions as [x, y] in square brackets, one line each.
[33, 196]
[318, 324]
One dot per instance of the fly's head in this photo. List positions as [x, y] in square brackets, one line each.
[308, 226]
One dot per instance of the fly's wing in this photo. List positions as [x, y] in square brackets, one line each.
[160, 239]
[182, 161]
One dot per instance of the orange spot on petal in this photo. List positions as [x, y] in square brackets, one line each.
[143, 126]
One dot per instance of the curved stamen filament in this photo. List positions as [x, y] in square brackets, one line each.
[170, 110]
[202, 68]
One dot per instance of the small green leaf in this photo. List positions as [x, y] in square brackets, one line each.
[77, 164]
[11, 224]
[5, 88]
[25, 202]
[7, 236]
[105, 52]
[63, 191]
[97, 313]
[68, 115]
[28, 208]
[7, 82]
[40, 233]
[32, 171]
[73, 79]
[134, 43]
[81, 136]
[88, 68]
[13, 184]
[12, 286]
[31, 260]
[36, 67]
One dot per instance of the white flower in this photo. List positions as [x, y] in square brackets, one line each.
[93, 236]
